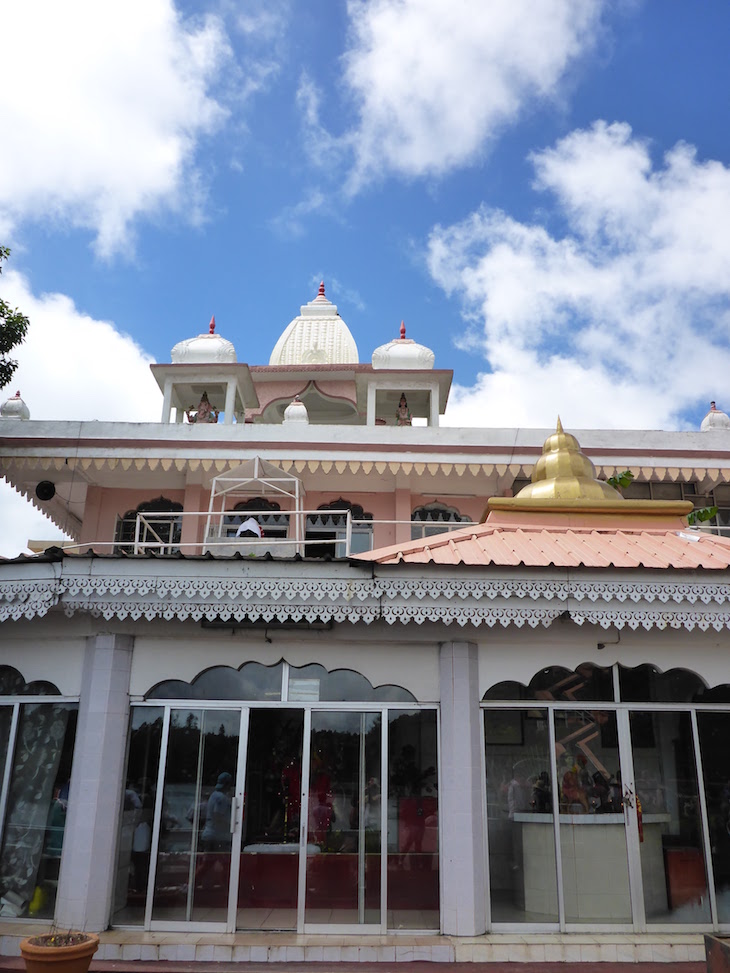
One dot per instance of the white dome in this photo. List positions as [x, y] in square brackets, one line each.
[402, 353]
[715, 419]
[296, 412]
[204, 349]
[14, 408]
[318, 336]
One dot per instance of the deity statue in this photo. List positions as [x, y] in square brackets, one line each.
[403, 415]
[205, 413]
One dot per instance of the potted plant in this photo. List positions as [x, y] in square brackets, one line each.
[59, 952]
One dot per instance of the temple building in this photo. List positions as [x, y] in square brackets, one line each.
[315, 664]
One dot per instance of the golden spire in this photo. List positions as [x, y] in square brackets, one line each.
[563, 472]
[565, 489]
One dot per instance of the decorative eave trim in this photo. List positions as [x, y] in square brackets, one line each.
[10, 464]
[519, 602]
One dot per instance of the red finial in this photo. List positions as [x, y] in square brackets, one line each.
[402, 331]
[17, 394]
[712, 407]
[321, 289]
[211, 326]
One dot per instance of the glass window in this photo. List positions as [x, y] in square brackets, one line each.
[644, 684]
[35, 817]
[433, 518]
[313, 683]
[253, 681]
[138, 803]
[587, 682]
[269, 875]
[413, 834]
[522, 869]
[714, 731]
[670, 826]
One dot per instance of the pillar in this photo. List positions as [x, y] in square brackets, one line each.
[167, 400]
[461, 797]
[88, 864]
[230, 404]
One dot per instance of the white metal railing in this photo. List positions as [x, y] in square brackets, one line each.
[285, 533]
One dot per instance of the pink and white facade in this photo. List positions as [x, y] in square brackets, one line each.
[357, 725]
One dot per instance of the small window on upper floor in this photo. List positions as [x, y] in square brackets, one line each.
[153, 526]
[434, 518]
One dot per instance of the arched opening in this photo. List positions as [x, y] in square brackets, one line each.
[434, 518]
[327, 530]
[152, 526]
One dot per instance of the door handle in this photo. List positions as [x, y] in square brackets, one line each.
[628, 797]
[234, 810]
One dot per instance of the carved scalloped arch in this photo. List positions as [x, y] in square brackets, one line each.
[255, 681]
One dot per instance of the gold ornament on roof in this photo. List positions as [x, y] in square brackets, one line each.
[563, 472]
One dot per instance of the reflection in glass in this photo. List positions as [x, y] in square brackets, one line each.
[194, 855]
[35, 817]
[413, 846]
[714, 730]
[522, 868]
[670, 826]
[593, 848]
[253, 681]
[268, 877]
[135, 835]
[343, 827]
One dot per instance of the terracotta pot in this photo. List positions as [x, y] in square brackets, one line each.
[59, 959]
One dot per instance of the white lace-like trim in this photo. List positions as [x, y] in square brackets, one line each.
[505, 602]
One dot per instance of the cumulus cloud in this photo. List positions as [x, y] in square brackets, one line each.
[621, 321]
[64, 373]
[433, 83]
[106, 107]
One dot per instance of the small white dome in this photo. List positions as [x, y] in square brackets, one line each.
[318, 336]
[401, 353]
[204, 349]
[715, 419]
[14, 408]
[296, 412]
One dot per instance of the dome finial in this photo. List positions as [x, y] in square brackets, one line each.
[559, 427]
[402, 331]
[320, 293]
[211, 326]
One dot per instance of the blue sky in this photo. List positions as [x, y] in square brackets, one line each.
[540, 190]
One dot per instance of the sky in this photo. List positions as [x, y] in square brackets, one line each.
[541, 191]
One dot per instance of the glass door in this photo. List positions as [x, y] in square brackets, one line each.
[269, 862]
[668, 818]
[594, 852]
[196, 820]
[343, 879]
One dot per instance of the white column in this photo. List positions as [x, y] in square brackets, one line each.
[167, 400]
[370, 417]
[463, 861]
[435, 405]
[230, 401]
[88, 864]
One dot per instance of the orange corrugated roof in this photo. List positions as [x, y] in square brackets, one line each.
[590, 547]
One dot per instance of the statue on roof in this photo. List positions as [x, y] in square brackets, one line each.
[403, 415]
[205, 412]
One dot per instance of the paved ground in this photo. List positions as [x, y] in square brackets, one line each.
[11, 964]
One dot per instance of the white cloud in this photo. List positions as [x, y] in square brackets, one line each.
[71, 366]
[623, 321]
[432, 82]
[105, 109]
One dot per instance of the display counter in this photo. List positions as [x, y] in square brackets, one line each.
[594, 862]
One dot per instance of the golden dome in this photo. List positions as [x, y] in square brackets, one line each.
[563, 472]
